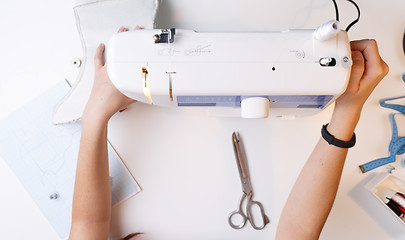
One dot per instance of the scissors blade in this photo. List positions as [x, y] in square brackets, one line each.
[241, 163]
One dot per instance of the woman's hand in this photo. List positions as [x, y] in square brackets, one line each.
[367, 71]
[105, 99]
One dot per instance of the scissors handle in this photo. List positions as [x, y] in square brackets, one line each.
[248, 216]
[241, 224]
[239, 213]
[250, 204]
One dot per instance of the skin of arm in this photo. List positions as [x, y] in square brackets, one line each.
[311, 198]
[91, 212]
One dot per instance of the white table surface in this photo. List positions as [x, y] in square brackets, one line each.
[183, 158]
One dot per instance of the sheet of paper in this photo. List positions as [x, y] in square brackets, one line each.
[43, 156]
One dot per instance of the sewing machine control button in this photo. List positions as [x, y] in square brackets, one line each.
[255, 107]
[76, 62]
[156, 37]
[347, 62]
[300, 54]
[327, 62]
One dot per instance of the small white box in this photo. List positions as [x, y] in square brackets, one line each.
[384, 180]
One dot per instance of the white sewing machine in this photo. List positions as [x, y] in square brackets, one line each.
[295, 72]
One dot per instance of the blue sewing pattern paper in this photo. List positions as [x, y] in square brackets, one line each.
[43, 156]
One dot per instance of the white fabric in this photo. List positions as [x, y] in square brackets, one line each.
[96, 21]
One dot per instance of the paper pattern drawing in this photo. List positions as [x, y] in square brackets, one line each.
[43, 156]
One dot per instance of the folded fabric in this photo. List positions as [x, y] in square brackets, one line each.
[96, 22]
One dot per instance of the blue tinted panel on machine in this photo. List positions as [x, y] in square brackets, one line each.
[291, 101]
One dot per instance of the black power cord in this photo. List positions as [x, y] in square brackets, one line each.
[358, 15]
[352, 23]
[336, 10]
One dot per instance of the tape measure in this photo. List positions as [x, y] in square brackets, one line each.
[397, 144]
[396, 107]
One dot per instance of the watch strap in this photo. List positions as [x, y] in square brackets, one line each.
[329, 138]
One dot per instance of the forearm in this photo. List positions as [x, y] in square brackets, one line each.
[92, 194]
[313, 194]
[91, 213]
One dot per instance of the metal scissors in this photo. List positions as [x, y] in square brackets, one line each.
[247, 193]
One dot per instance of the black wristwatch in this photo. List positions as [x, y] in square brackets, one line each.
[336, 142]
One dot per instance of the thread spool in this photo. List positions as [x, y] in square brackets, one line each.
[327, 30]
[394, 196]
[399, 199]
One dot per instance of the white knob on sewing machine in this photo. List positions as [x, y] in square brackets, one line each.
[255, 107]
